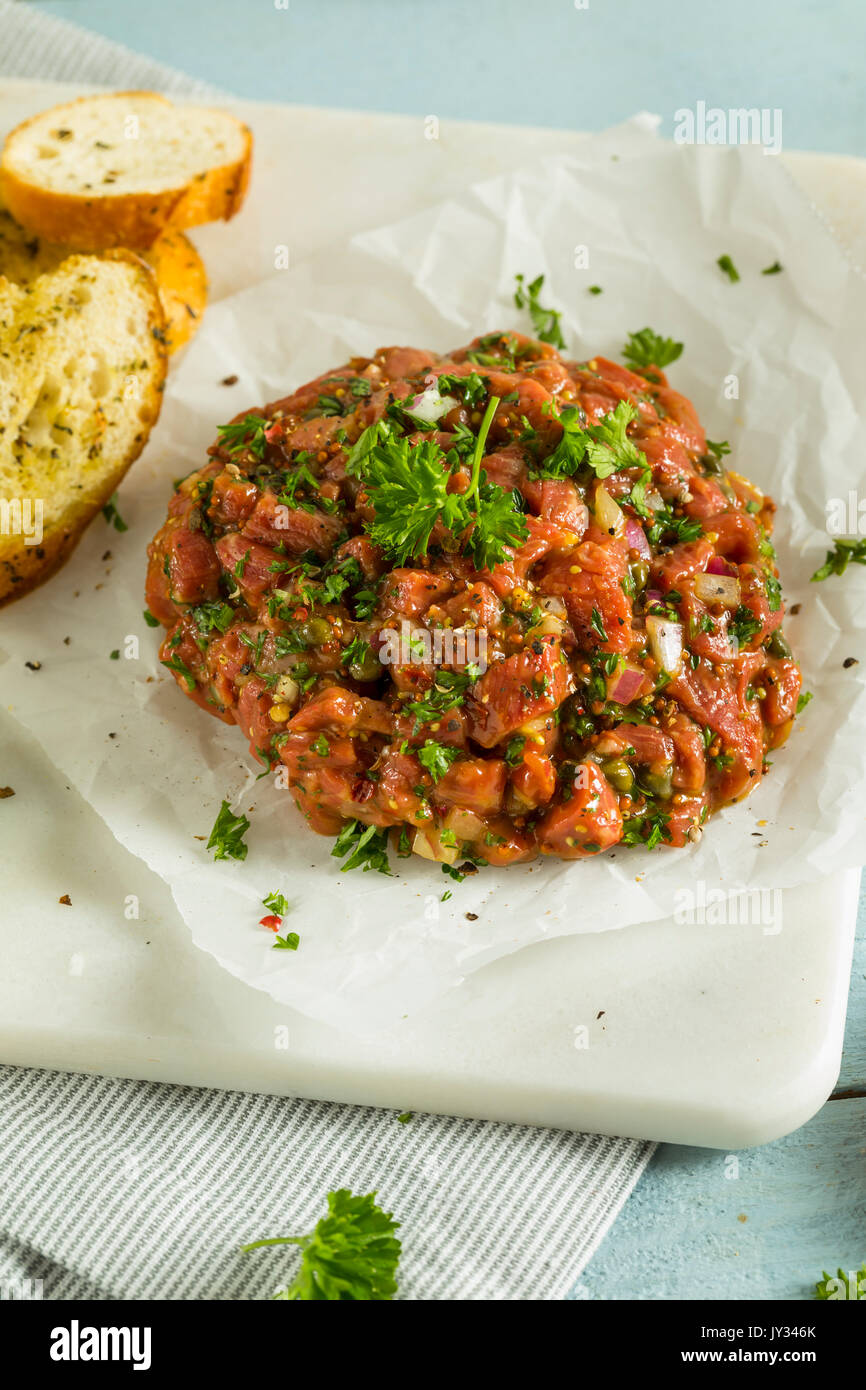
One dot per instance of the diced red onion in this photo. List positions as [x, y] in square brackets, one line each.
[624, 684]
[666, 642]
[718, 588]
[719, 565]
[636, 537]
[653, 595]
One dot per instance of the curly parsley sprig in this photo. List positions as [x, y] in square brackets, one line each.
[351, 1256]
[407, 487]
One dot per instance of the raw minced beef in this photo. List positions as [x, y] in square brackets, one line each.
[632, 670]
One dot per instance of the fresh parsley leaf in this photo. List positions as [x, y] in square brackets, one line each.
[289, 942]
[213, 614]
[648, 349]
[277, 903]
[150, 619]
[726, 265]
[681, 528]
[366, 846]
[648, 830]
[803, 699]
[248, 433]
[844, 552]
[544, 321]
[717, 450]
[112, 515]
[174, 663]
[595, 289]
[351, 1256]
[603, 447]
[597, 625]
[846, 1285]
[743, 626]
[227, 837]
[514, 750]
[473, 388]
[321, 746]
[437, 758]
[773, 269]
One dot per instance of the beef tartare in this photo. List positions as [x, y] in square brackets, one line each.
[482, 606]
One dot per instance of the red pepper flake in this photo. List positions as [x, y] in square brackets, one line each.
[272, 923]
[274, 431]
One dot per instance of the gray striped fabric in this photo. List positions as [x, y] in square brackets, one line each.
[122, 1189]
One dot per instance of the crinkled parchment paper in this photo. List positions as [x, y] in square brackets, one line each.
[654, 218]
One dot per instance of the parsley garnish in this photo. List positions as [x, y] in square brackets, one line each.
[649, 349]
[514, 750]
[227, 836]
[175, 664]
[726, 265]
[366, 846]
[597, 625]
[248, 433]
[604, 447]
[289, 942]
[717, 450]
[743, 626]
[683, 528]
[773, 269]
[150, 619]
[351, 1256]
[544, 321]
[803, 700]
[437, 758]
[112, 515]
[473, 387]
[830, 1289]
[277, 903]
[838, 559]
[407, 486]
[208, 616]
[648, 829]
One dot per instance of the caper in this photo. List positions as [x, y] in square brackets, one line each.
[640, 574]
[656, 782]
[725, 487]
[778, 644]
[619, 774]
[574, 728]
[366, 668]
[315, 631]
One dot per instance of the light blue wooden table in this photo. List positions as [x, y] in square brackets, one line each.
[691, 1229]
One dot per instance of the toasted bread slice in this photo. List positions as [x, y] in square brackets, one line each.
[82, 366]
[180, 274]
[118, 170]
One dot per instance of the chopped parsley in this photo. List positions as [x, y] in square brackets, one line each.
[544, 321]
[174, 663]
[773, 269]
[277, 903]
[743, 626]
[727, 267]
[648, 349]
[437, 758]
[289, 942]
[844, 552]
[514, 750]
[247, 433]
[112, 515]
[365, 845]
[227, 837]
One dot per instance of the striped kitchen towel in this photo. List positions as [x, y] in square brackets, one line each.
[121, 1189]
[124, 1189]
